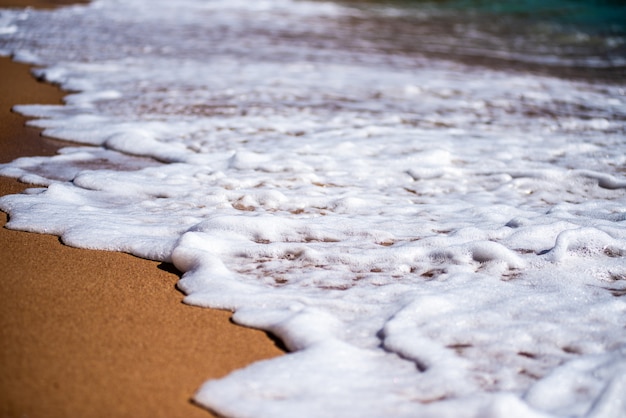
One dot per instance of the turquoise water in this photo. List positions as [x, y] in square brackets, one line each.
[599, 15]
[574, 38]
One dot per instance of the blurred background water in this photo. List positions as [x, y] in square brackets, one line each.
[571, 38]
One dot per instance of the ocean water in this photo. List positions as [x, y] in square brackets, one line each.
[425, 201]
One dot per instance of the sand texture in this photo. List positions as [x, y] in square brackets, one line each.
[97, 334]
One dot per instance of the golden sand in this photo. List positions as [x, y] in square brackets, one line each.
[90, 333]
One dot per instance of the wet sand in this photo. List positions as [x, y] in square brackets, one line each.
[90, 333]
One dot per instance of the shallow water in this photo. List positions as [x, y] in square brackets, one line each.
[429, 218]
[573, 38]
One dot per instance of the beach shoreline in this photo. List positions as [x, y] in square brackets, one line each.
[39, 4]
[94, 333]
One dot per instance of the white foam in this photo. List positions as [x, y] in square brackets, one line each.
[428, 239]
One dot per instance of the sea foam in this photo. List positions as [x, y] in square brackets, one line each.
[427, 238]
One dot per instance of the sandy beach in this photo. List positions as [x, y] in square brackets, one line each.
[88, 333]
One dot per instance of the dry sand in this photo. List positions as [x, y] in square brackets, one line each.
[97, 334]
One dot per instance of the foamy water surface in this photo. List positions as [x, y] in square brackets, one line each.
[428, 237]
